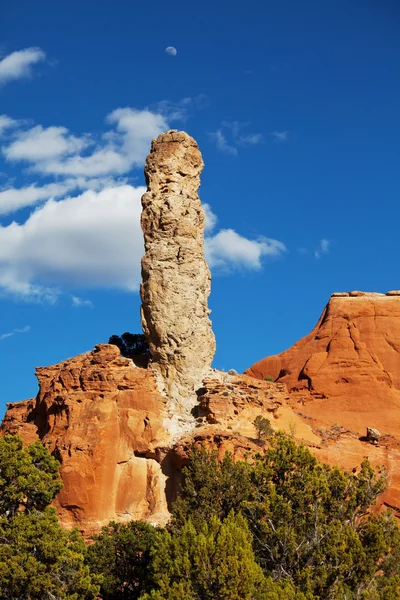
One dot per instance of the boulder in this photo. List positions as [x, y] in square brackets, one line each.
[373, 435]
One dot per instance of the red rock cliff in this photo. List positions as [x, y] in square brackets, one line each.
[347, 369]
[344, 377]
[102, 418]
[107, 423]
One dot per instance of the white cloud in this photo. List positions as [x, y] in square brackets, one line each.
[211, 218]
[280, 136]
[180, 110]
[18, 64]
[94, 240]
[228, 137]
[25, 329]
[86, 231]
[251, 139]
[13, 199]
[171, 50]
[222, 143]
[54, 151]
[323, 248]
[6, 123]
[228, 249]
[303, 250]
[39, 143]
[81, 302]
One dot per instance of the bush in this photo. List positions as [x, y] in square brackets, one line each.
[121, 554]
[130, 344]
[212, 560]
[312, 532]
[38, 559]
[211, 487]
[263, 428]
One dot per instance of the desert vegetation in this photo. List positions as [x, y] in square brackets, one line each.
[279, 526]
[130, 344]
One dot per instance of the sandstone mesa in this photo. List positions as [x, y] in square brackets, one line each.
[122, 432]
[344, 377]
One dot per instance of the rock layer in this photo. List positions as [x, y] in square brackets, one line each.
[104, 420]
[176, 278]
[344, 377]
[347, 370]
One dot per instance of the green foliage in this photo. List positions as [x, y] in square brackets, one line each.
[38, 560]
[282, 590]
[284, 527]
[28, 476]
[130, 344]
[211, 487]
[213, 561]
[263, 427]
[311, 527]
[310, 523]
[269, 378]
[121, 554]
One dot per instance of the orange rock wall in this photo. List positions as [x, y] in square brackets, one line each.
[344, 377]
[102, 418]
[105, 420]
[347, 370]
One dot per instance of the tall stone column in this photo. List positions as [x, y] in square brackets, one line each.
[175, 276]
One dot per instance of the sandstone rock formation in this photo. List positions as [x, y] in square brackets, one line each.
[347, 370]
[176, 278]
[123, 432]
[344, 377]
[103, 418]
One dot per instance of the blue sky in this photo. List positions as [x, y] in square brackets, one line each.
[295, 106]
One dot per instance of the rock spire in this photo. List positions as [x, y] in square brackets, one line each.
[175, 276]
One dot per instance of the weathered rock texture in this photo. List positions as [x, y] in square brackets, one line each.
[344, 377]
[176, 278]
[347, 370]
[104, 419]
[108, 421]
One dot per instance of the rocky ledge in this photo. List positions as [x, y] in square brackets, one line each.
[106, 422]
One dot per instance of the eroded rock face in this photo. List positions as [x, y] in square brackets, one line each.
[122, 433]
[102, 418]
[176, 278]
[347, 370]
[344, 377]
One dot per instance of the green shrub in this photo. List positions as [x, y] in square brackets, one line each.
[263, 427]
[38, 559]
[121, 554]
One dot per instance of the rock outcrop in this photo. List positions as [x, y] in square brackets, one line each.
[347, 370]
[175, 276]
[122, 431]
[104, 420]
[344, 378]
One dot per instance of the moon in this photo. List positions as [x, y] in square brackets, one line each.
[171, 50]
